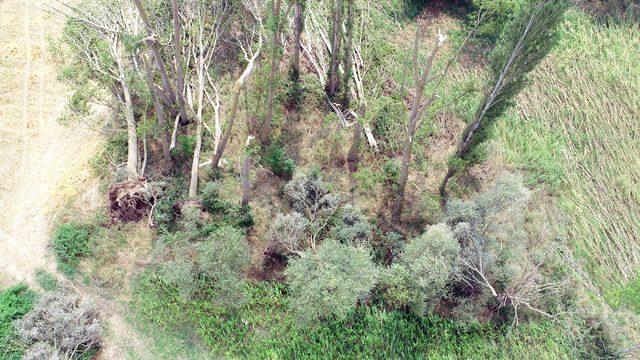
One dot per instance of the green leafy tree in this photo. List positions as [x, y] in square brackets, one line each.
[524, 42]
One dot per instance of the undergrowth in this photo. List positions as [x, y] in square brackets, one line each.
[15, 302]
[264, 329]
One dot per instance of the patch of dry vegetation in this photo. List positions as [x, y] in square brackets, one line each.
[577, 127]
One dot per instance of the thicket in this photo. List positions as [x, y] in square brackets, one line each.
[419, 276]
[329, 282]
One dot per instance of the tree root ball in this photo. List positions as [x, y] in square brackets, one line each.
[130, 201]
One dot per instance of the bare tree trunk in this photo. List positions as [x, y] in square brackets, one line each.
[298, 23]
[132, 136]
[217, 156]
[333, 80]
[420, 80]
[348, 57]
[145, 155]
[195, 165]
[177, 49]
[165, 137]
[265, 134]
[353, 157]
[398, 203]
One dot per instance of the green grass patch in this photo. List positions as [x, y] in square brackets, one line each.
[15, 302]
[46, 280]
[264, 329]
[70, 243]
[627, 296]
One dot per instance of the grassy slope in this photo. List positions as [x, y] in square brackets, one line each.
[577, 128]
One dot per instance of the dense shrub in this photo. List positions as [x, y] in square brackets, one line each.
[384, 113]
[61, 324]
[329, 282]
[223, 258]
[418, 277]
[244, 217]
[224, 211]
[497, 13]
[277, 160]
[211, 200]
[213, 267]
[15, 302]
[70, 243]
[163, 214]
[353, 227]
[186, 145]
[180, 274]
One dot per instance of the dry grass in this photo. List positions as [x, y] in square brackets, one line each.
[578, 126]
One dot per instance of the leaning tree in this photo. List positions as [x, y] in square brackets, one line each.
[524, 42]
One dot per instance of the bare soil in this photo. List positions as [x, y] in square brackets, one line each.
[43, 163]
[40, 159]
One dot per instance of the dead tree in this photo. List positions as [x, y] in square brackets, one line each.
[251, 45]
[421, 76]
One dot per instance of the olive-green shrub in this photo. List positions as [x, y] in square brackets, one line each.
[329, 283]
[352, 227]
[419, 276]
[211, 267]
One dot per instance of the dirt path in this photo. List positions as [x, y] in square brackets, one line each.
[37, 152]
[41, 161]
